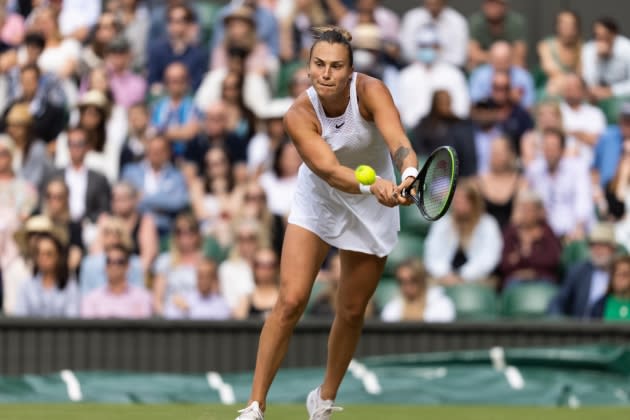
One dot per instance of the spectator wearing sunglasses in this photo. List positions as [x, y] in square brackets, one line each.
[118, 298]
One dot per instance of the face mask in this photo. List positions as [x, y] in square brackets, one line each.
[363, 60]
[427, 55]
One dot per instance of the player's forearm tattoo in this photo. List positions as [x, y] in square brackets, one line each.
[400, 155]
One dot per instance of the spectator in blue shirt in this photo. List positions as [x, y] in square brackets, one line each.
[608, 149]
[177, 46]
[175, 116]
[523, 89]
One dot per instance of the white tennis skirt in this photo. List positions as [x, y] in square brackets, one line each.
[352, 222]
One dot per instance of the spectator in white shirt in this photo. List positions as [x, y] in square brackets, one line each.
[77, 18]
[416, 301]
[583, 123]
[564, 185]
[606, 61]
[466, 244]
[424, 76]
[448, 22]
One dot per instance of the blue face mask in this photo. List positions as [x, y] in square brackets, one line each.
[426, 55]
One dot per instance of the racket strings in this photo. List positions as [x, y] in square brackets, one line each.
[437, 184]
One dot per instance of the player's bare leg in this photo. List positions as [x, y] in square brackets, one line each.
[360, 274]
[302, 256]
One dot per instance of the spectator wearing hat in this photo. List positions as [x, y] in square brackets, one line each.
[427, 74]
[263, 145]
[30, 157]
[256, 90]
[175, 116]
[160, 184]
[89, 190]
[267, 28]
[369, 57]
[205, 302]
[18, 199]
[496, 22]
[587, 281]
[449, 24]
[241, 34]
[120, 296]
[214, 133]
[177, 46]
[500, 60]
[105, 127]
[606, 61]
[127, 87]
[564, 186]
[52, 292]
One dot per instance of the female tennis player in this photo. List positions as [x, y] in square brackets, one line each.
[330, 125]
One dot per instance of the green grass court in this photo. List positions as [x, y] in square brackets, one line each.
[298, 412]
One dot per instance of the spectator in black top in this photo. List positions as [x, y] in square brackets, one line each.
[443, 128]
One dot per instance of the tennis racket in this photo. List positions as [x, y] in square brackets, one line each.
[433, 188]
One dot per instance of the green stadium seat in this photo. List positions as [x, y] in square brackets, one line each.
[386, 290]
[409, 245]
[412, 222]
[284, 77]
[212, 249]
[527, 300]
[473, 301]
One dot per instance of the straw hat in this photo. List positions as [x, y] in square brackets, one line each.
[368, 36]
[40, 224]
[94, 98]
[19, 114]
[243, 13]
[603, 233]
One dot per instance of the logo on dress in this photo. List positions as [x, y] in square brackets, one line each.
[338, 126]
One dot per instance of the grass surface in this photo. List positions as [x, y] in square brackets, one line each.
[298, 412]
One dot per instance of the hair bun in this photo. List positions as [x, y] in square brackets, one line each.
[320, 31]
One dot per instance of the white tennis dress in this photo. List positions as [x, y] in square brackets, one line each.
[353, 222]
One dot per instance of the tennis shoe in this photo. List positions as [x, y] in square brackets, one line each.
[319, 409]
[251, 412]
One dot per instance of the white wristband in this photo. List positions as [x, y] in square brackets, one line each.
[365, 189]
[410, 171]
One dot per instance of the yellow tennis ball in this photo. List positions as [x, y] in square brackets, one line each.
[365, 174]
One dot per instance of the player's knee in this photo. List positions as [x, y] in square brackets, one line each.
[351, 313]
[290, 308]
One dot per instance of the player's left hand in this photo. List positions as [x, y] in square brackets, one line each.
[398, 191]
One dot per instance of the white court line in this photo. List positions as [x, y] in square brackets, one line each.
[226, 392]
[512, 374]
[72, 385]
[366, 376]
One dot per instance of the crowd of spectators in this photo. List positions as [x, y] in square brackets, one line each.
[145, 171]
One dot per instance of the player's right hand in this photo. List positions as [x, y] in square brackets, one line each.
[385, 192]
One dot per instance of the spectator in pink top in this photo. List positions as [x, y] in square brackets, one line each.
[118, 298]
[127, 87]
[11, 26]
